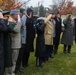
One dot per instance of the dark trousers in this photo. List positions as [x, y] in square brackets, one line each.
[1, 62]
[55, 48]
[20, 56]
[55, 45]
[48, 52]
[39, 61]
[65, 48]
[75, 37]
[25, 58]
[51, 51]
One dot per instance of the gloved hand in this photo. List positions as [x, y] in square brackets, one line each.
[1, 16]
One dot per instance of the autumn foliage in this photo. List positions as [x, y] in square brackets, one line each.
[68, 8]
[9, 5]
[64, 6]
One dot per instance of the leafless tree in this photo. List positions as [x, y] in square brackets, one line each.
[57, 4]
[62, 5]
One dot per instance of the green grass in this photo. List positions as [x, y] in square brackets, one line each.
[61, 64]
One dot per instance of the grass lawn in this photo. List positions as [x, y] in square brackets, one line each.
[61, 64]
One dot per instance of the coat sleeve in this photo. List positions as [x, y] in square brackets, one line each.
[73, 23]
[23, 23]
[17, 27]
[65, 22]
[61, 25]
[10, 27]
[47, 19]
[24, 20]
[3, 25]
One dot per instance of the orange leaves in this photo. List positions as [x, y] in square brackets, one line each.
[64, 6]
[68, 8]
[1, 1]
[4, 0]
[9, 5]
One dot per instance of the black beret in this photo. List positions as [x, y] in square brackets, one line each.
[22, 10]
[29, 10]
[5, 12]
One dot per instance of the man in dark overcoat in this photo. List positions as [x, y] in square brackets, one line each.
[2, 30]
[7, 40]
[58, 27]
[75, 28]
[30, 34]
[67, 36]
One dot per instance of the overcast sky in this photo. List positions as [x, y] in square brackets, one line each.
[46, 3]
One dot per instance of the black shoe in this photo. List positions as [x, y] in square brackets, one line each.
[69, 52]
[39, 65]
[51, 57]
[25, 66]
[19, 72]
[55, 53]
[64, 52]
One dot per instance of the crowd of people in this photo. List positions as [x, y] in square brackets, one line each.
[18, 31]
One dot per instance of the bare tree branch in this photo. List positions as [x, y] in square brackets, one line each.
[63, 6]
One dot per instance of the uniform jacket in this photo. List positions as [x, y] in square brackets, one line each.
[48, 34]
[16, 36]
[2, 29]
